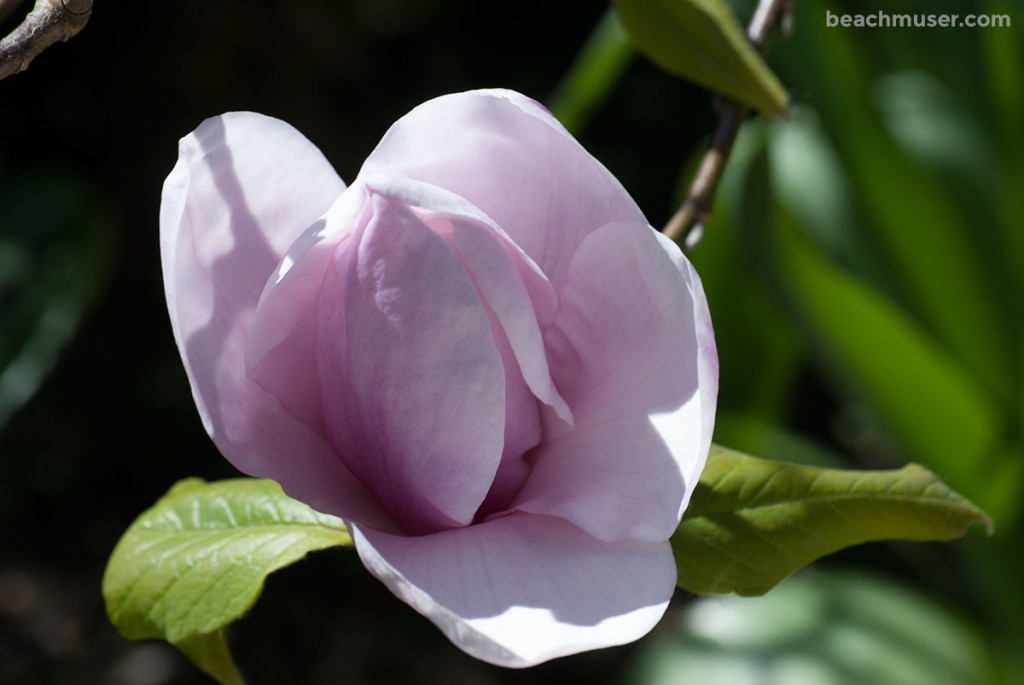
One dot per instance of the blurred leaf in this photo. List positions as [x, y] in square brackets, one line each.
[929, 402]
[816, 628]
[56, 254]
[758, 372]
[755, 435]
[752, 522]
[197, 559]
[1003, 51]
[701, 40]
[926, 240]
[931, 124]
[808, 176]
[593, 74]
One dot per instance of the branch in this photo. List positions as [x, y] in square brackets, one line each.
[688, 222]
[48, 22]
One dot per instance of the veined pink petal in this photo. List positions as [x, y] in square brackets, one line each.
[517, 333]
[413, 384]
[628, 348]
[281, 348]
[522, 589]
[427, 199]
[244, 188]
[506, 155]
[494, 272]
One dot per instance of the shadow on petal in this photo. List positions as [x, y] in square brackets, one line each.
[523, 589]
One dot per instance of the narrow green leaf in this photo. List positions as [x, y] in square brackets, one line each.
[930, 244]
[758, 373]
[211, 654]
[701, 40]
[197, 559]
[593, 74]
[928, 400]
[1003, 54]
[752, 522]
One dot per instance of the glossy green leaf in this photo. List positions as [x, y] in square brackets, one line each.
[702, 40]
[752, 522]
[595, 71]
[197, 559]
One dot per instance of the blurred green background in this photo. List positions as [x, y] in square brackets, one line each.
[864, 265]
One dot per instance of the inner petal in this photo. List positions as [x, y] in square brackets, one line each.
[412, 380]
[501, 285]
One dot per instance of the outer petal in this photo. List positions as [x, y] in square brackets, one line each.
[413, 384]
[632, 352]
[522, 589]
[505, 154]
[244, 188]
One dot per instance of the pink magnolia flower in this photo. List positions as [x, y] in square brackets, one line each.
[479, 354]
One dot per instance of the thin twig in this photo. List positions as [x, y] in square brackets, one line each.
[688, 221]
[48, 22]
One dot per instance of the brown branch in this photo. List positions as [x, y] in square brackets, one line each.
[687, 224]
[49, 21]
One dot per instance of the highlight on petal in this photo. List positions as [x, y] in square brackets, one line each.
[500, 152]
[522, 589]
[412, 382]
[625, 351]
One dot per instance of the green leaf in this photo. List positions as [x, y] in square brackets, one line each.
[210, 653]
[928, 400]
[752, 522]
[197, 559]
[701, 40]
[929, 242]
[759, 372]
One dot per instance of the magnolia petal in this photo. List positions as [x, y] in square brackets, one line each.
[245, 186]
[522, 589]
[496, 276]
[670, 425]
[429, 199]
[628, 355]
[412, 382]
[506, 155]
[281, 351]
